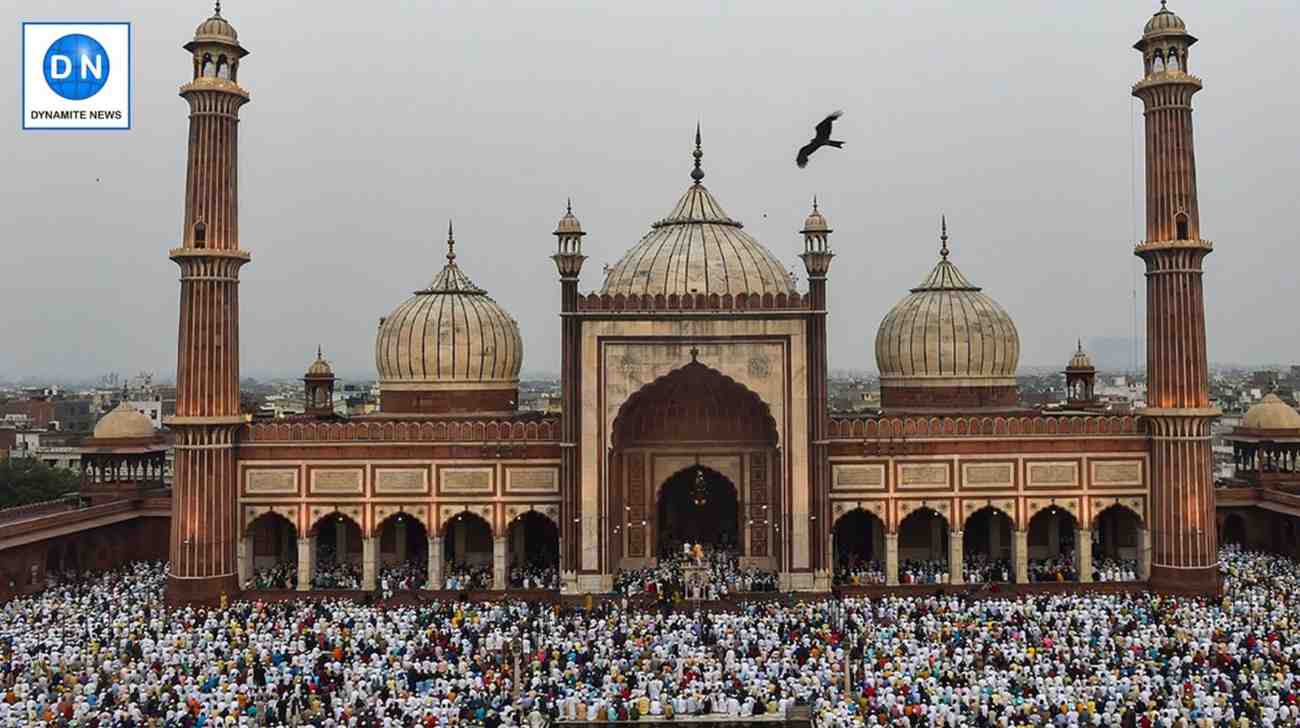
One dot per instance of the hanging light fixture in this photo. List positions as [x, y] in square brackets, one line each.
[699, 491]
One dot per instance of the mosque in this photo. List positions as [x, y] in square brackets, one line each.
[694, 404]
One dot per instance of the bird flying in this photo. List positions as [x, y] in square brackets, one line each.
[821, 139]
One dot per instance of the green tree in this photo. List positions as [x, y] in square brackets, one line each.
[28, 480]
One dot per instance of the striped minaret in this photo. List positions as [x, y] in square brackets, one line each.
[204, 523]
[1184, 552]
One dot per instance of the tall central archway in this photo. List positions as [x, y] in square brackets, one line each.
[693, 423]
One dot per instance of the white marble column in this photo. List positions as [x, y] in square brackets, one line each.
[435, 563]
[1144, 554]
[400, 547]
[369, 552]
[499, 563]
[955, 557]
[1083, 544]
[306, 562]
[1020, 555]
[245, 560]
[891, 559]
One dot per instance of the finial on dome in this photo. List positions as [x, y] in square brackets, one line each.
[319, 352]
[451, 244]
[697, 174]
[1164, 4]
[1080, 346]
[815, 203]
[217, 10]
[568, 205]
[943, 236]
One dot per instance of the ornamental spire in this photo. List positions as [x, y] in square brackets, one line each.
[217, 10]
[451, 245]
[943, 236]
[697, 174]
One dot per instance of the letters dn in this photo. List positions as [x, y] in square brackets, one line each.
[76, 75]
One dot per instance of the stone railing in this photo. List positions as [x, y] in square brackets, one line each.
[65, 517]
[977, 426]
[598, 302]
[42, 508]
[485, 431]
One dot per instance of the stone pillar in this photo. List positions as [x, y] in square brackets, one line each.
[955, 563]
[891, 559]
[306, 562]
[1144, 554]
[400, 547]
[1020, 555]
[499, 563]
[245, 560]
[369, 549]
[435, 563]
[1083, 544]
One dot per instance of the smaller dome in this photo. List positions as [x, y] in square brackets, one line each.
[1271, 414]
[320, 367]
[1080, 360]
[216, 29]
[123, 422]
[816, 222]
[1164, 21]
[568, 224]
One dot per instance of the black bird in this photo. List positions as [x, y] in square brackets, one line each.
[822, 139]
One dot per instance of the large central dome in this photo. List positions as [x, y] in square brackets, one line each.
[697, 249]
[948, 346]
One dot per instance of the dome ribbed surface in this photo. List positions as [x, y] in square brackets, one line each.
[697, 249]
[1164, 21]
[123, 422]
[449, 332]
[946, 328]
[1271, 414]
[216, 28]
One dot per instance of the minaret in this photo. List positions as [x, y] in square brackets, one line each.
[1184, 555]
[318, 387]
[204, 527]
[816, 258]
[568, 261]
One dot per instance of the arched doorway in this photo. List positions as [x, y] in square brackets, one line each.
[698, 505]
[923, 548]
[467, 552]
[859, 546]
[533, 543]
[275, 552]
[986, 544]
[693, 424]
[1051, 546]
[338, 553]
[403, 554]
[1115, 545]
[1234, 530]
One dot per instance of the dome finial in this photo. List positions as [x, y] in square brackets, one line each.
[697, 174]
[568, 205]
[943, 236]
[217, 10]
[814, 203]
[451, 244]
[319, 352]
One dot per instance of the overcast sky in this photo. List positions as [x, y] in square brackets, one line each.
[374, 122]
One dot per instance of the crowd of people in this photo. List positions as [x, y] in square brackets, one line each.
[856, 572]
[280, 576]
[535, 576]
[1108, 569]
[333, 572]
[1053, 568]
[459, 576]
[707, 574]
[923, 571]
[980, 569]
[104, 651]
[408, 575]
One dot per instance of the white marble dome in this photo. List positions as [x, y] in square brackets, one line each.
[450, 332]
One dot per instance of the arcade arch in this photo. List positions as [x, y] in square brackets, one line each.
[1115, 544]
[923, 548]
[1052, 555]
[273, 557]
[533, 545]
[467, 552]
[337, 559]
[858, 539]
[403, 553]
[986, 542]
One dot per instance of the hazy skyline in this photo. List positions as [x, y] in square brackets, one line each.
[371, 125]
